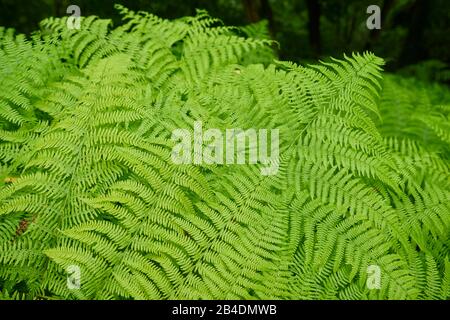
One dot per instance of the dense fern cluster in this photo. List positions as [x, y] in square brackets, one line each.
[86, 118]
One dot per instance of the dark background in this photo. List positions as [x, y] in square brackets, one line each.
[414, 36]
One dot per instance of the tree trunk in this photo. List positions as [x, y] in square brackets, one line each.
[251, 8]
[314, 26]
[267, 13]
[58, 8]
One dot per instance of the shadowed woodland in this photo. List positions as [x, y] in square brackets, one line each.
[413, 37]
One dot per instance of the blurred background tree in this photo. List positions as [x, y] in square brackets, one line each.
[414, 35]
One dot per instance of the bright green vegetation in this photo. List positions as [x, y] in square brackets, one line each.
[87, 179]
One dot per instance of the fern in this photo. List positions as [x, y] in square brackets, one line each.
[87, 179]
